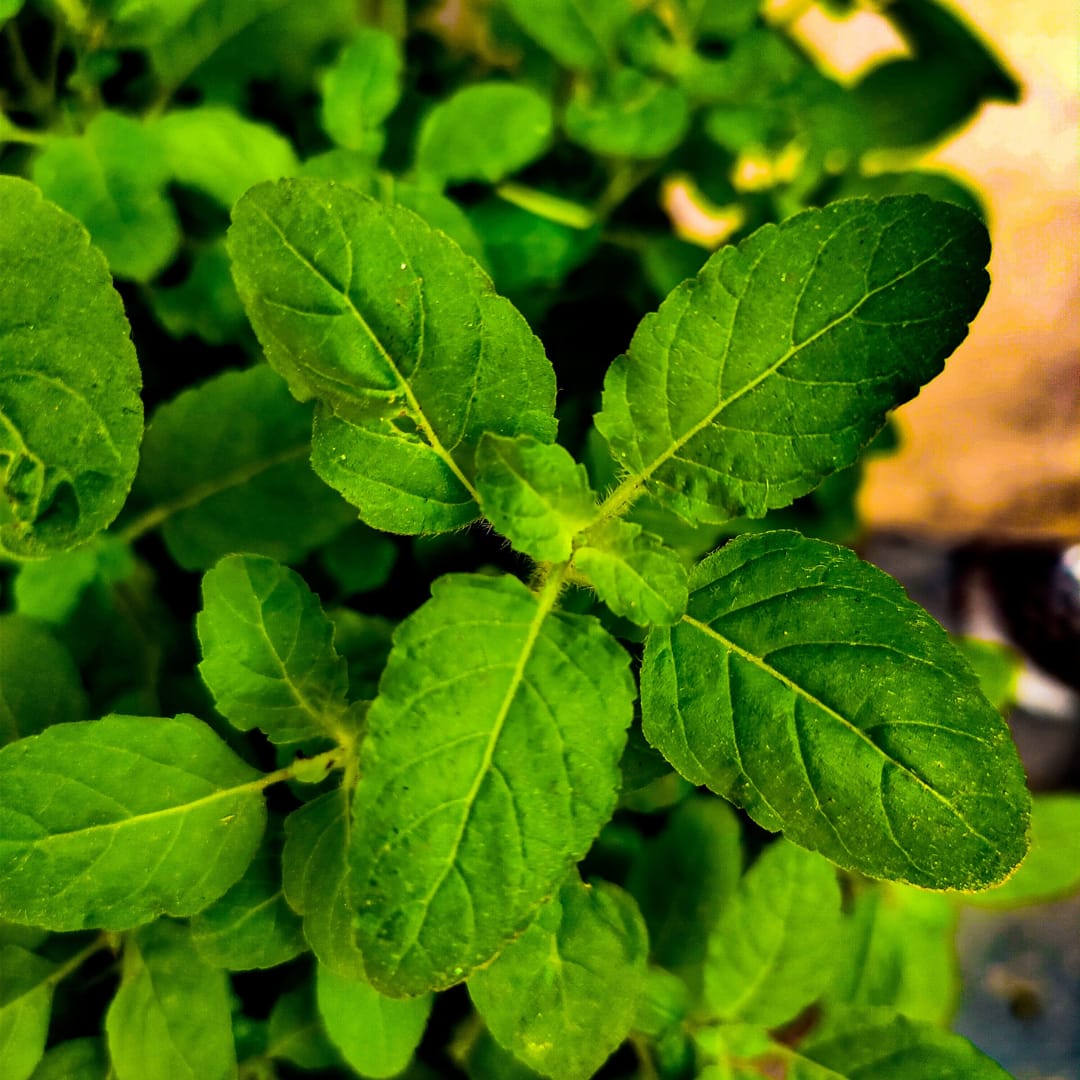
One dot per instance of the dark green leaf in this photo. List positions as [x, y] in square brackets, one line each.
[170, 1017]
[70, 414]
[225, 468]
[251, 926]
[578, 33]
[683, 879]
[563, 996]
[360, 559]
[483, 132]
[804, 685]
[315, 872]
[268, 651]
[112, 178]
[630, 116]
[75, 1059]
[774, 948]
[875, 1044]
[490, 763]
[26, 991]
[778, 362]
[295, 1031]
[361, 89]
[377, 1035]
[411, 373]
[39, 685]
[205, 303]
[535, 494]
[114, 822]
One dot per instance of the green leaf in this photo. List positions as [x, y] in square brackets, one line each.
[224, 468]
[483, 132]
[806, 687]
[997, 667]
[75, 1059]
[39, 685]
[26, 991]
[295, 1031]
[359, 559]
[50, 590]
[535, 494]
[111, 823]
[635, 573]
[682, 880]
[412, 373]
[376, 1034]
[112, 178]
[875, 1044]
[900, 952]
[70, 414]
[564, 995]
[170, 1017]
[251, 926]
[268, 651]
[778, 362]
[489, 766]
[580, 34]
[630, 115]
[361, 89]
[217, 151]
[773, 950]
[1051, 868]
[315, 875]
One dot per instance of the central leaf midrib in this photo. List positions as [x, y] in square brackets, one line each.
[403, 384]
[803, 692]
[546, 602]
[639, 478]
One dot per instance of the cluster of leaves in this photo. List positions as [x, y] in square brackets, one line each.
[332, 673]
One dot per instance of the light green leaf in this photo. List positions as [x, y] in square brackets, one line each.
[217, 151]
[361, 89]
[112, 178]
[578, 33]
[876, 1044]
[295, 1031]
[70, 414]
[251, 926]
[411, 373]
[26, 991]
[682, 880]
[170, 1017]
[225, 468]
[39, 684]
[1052, 866]
[483, 132]
[10, 8]
[635, 573]
[75, 1059]
[111, 823]
[776, 364]
[50, 589]
[143, 22]
[900, 952]
[997, 667]
[315, 875]
[489, 766]
[773, 950]
[535, 494]
[268, 651]
[377, 1034]
[806, 687]
[629, 115]
[564, 995]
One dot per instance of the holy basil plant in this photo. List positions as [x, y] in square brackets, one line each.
[403, 701]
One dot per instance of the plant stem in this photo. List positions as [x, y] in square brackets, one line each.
[73, 963]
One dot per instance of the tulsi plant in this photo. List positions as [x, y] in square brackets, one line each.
[378, 710]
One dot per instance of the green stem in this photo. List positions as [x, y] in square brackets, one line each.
[38, 93]
[545, 205]
[72, 964]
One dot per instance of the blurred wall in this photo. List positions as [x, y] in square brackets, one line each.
[992, 448]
